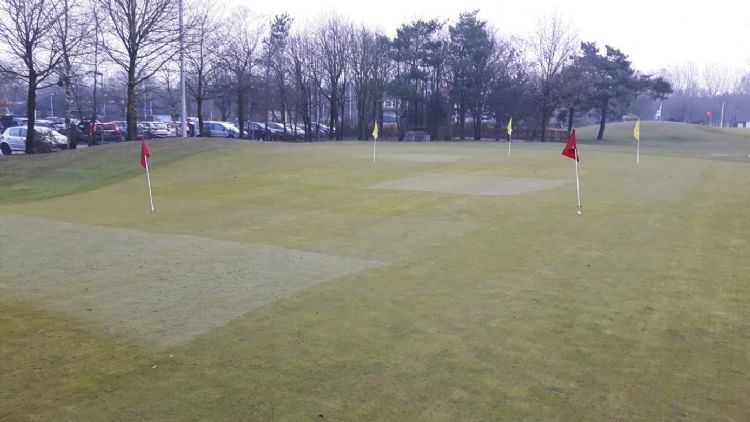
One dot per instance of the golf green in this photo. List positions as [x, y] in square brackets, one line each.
[443, 281]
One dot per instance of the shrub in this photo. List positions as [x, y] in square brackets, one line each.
[43, 143]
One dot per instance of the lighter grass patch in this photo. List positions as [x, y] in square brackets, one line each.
[156, 290]
[471, 185]
[425, 158]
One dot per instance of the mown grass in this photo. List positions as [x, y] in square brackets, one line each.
[28, 178]
[492, 308]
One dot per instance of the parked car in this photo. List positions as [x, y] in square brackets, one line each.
[320, 127]
[155, 129]
[45, 123]
[294, 132]
[87, 125]
[13, 139]
[172, 128]
[123, 125]
[221, 129]
[275, 130]
[256, 130]
[108, 132]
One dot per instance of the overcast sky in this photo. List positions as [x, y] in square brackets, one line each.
[654, 33]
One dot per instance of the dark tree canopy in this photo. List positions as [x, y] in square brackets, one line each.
[612, 82]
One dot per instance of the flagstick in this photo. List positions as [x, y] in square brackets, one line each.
[148, 177]
[509, 137]
[374, 148]
[578, 183]
[638, 151]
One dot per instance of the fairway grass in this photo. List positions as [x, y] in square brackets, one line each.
[411, 305]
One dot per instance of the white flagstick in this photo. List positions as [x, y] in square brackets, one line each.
[148, 177]
[509, 137]
[638, 151]
[578, 183]
[374, 147]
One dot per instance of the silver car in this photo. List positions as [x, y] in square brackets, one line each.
[221, 129]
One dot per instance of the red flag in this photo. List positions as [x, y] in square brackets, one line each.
[145, 153]
[571, 150]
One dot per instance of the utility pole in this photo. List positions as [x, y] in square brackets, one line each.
[183, 105]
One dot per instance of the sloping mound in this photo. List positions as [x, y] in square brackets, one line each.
[671, 137]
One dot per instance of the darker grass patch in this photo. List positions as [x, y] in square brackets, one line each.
[50, 362]
[26, 178]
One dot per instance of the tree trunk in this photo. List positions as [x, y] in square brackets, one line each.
[199, 110]
[600, 136]
[462, 122]
[478, 127]
[571, 111]
[131, 115]
[241, 111]
[545, 117]
[334, 113]
[72, 142]
[31, 114]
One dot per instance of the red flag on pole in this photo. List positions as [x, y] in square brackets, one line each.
[571, 150]
[145, 153]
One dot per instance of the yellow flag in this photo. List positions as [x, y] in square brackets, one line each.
[510, 126]
[637, 130]
[375, 132]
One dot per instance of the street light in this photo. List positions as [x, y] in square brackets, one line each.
[96, 73]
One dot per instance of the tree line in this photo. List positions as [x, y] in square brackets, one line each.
[445, 78]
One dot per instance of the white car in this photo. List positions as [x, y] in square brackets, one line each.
[156, 129]
[13, 140]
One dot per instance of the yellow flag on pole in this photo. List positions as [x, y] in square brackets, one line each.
[510, 126]
[375, 131]
[637, 130]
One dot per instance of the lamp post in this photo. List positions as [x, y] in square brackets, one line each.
[183, 105]
[51, 107]
[96, 73]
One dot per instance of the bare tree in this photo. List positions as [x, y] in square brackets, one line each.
[168, 79]
[333, 41]
[685, 80]
[367, 61]
[239, 57]
[142, 39]
[552, 44]
[204, 44]
[28, 28]
[300, 65]
[276, 60]
[717, 79]
[72, 31]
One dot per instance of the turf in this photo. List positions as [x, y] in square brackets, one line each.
[485, 307]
